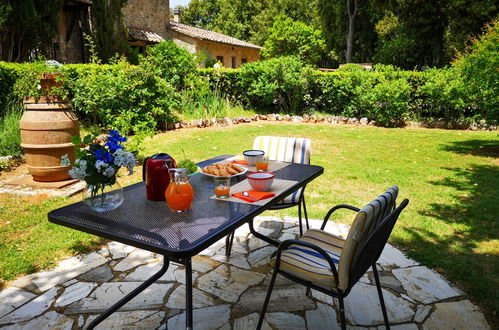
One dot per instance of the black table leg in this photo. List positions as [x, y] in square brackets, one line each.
[131, 295]
[188, 294]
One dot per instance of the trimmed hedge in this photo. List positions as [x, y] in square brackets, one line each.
[385, 94]
[134, 98]
[126, 97]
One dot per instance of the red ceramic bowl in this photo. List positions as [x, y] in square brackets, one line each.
[260, 181]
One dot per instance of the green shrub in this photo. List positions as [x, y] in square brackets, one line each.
[479, 71]
[170, 62]
[275, 83]
[441, 94]
[121, 96]
[10, 136]
[387, 101]
[289, 37]
[8, 77]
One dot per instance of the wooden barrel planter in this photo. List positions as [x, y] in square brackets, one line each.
[47, 126]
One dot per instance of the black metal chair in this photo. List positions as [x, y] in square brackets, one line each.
[284, 149]
[311, 260]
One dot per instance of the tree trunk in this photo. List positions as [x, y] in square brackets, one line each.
[11, 48]
[352, 12]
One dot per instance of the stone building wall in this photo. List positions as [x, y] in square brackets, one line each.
[215, 49]
[184, 41]
[152, 15]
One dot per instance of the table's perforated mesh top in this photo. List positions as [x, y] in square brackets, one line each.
[152, 226]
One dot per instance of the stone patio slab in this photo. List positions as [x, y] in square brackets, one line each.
[364, 298]
[200, 299]
[324, 317]
[425, 285]
[74, 293]
[203, 318]
[228, 286]
[287, 298]
[392, 257]
[250, 322]
[460, 314]
[285, 321]
[34, 308]
[50, 320]
[131, 320]
[12, 298]
[109, 293]
[134, 259]
[66, 270]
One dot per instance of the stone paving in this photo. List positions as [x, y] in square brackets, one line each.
[25, 190]
[229, 292]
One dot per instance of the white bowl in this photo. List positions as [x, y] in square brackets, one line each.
[260, 181]
[252, 155]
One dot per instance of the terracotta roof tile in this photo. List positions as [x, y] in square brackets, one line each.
[209, 35]
[141, 34]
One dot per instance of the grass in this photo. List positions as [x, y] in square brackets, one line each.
[10, 138]
[450, 177]
[210, 105]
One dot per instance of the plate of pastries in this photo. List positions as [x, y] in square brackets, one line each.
[229, 170]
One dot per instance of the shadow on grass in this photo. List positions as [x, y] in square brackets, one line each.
[483, 148]
[466, 248]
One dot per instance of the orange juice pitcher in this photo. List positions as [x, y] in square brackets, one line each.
[179, 194]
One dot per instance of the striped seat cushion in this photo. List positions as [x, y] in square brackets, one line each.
[364, 223]
[285, 149]
[308, 264]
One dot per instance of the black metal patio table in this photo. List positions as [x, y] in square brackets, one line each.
[151, 226]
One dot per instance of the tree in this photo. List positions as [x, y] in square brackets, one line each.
[109, 32]
[352, 10]
[334, 22]
[267, 10]
[27, 27]
[289, 37]
[478, 69]
[200, 13]
[465, 18]
[247, 19]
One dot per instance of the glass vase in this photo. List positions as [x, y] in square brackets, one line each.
[103, 197]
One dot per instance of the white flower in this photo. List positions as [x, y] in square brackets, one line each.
[109, 172]
[125, 159]
[100, 166]
[65, 160]
[79, 170]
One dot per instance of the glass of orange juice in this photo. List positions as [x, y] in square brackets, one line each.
[262, 163]
[222, 186]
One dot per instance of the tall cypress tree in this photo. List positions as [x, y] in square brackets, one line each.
[109, 31]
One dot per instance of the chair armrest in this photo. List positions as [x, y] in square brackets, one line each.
[284, 245]
[337, 207]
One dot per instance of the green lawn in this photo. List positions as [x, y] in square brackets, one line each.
[450, 177]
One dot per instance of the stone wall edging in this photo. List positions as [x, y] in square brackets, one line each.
[335, 120]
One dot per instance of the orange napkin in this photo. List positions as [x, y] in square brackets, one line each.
[240, 162]
[258, 195]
